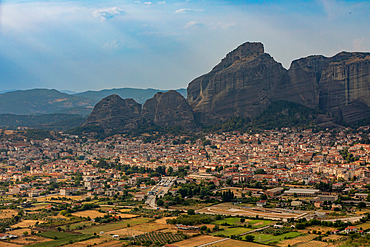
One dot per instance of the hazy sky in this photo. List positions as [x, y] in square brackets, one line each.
[90, 45]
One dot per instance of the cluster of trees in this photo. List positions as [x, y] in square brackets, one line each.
[191, 220]
[188, 190]
[227, 196]
[348, 156]
[314, 222]
[128, 169]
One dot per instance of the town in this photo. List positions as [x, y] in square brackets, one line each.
[286, 187]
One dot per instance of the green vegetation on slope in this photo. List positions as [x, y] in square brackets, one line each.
[57, 122]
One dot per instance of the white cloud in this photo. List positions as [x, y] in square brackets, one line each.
[113, 45]
[163, 2]
[336, 9]
[107, 13]
[193, 24]
[358, 45]
[148, 3]
[184, 11]
[224, 25]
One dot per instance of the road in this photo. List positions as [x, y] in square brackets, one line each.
[350, 219]
[214, 242]
[159, 190]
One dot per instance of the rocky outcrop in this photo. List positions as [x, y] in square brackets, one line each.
[247, 80]
[339, 85]
[239, 85]
[169, 109]
[115, 114]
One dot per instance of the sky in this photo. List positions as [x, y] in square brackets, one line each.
[82, 45]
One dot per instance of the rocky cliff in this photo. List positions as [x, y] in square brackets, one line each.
[339, 85]
[238, 86]
[169, 109]
[115, 114]
[247, 80]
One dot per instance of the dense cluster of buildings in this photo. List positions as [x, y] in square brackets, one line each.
[272, 157]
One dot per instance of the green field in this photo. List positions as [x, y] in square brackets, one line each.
[257, 223]
[63, 238]
[268, 239]
[231, 221]
[236, 221]
[114, 226]
[53, 234]
[232, 231]
[364, 225]
[77, 225]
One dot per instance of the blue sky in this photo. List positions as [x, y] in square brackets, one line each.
[91, 45]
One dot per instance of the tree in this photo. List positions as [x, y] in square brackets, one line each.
[361, 205]
[249, 238]
[300, 226]
[191, 211]
[242, 220]
[160, 202]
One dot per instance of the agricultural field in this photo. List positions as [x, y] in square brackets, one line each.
[125, 232]
[164, 220]
[91, 242]
[128, 216]
[231, 221]
[269, 239]
[314, 244]
[298, 240]
[234, 210]
[364, 225]
[75, 226]
[141, 229]
[114, 226]
[7, 213]
[61, 238]
[232, 231]
[29, 240]
[6, 244]
[199, 240]
[56, 198]
[333, 237]
[27, 223]
[254, 224]
[89, 213]
[159, 237]
[322, 229]
[235, 243]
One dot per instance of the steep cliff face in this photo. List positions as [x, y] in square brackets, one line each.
[115, 114]
[238, 86]
[169, 109]
[247, 80]
[339, 85]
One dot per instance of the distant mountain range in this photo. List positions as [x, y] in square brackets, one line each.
[59, 110]
[49, 101]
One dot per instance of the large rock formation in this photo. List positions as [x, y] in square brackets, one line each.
[247, 80]
[169, 109]
[238, 86]
[115, 114]
[339, 85]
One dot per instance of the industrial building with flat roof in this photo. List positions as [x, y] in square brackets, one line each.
[274, 192]
[302, 192]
